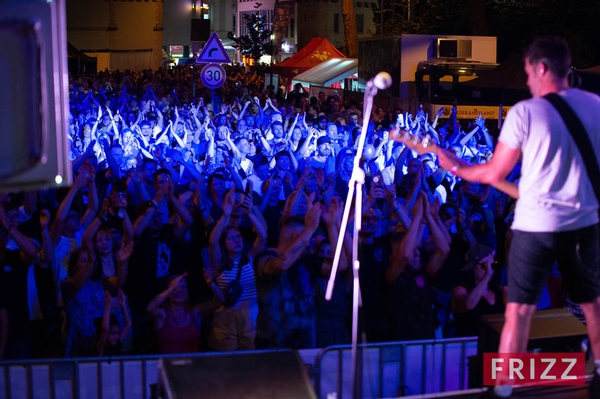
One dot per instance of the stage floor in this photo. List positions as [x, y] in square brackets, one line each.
[578, 392]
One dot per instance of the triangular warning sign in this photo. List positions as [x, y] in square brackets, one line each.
[213, 52]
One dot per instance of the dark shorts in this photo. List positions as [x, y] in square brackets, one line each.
[533, 254]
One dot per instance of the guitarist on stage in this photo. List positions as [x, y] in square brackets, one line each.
[556, 216]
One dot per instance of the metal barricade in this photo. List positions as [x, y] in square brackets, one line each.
[394, 369]
[81, 378]
[388, 370]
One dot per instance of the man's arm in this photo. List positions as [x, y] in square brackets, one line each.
[493, 172]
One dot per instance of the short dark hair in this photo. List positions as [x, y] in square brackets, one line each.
[161, 171]
[553, 51]
[120, 185]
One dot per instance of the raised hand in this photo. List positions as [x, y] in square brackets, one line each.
[313, 214]
[434, 208]
[426, 204]
[104, 207]
[487, 266]
[333, 214]
[247, 202]
[124, 252]
[121, 299]
[44, 219]
[183, 197]
[81, 179]
[229, 201]
[417, 210]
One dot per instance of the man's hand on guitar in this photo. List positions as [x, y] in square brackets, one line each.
[448, 160]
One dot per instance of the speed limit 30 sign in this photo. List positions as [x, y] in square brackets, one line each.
[213, 76]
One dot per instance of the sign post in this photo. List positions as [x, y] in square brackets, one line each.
[213, 75]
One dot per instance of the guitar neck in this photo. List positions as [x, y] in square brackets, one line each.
[421, 144]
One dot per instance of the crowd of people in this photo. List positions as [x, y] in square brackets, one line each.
[209, 223]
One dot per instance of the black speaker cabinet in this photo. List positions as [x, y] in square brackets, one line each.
[34, 95]
[245, 375]
[552, 330]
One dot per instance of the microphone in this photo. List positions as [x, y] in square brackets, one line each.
[382, 81]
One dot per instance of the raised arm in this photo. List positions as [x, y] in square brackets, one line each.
[214, 249]
[489, 142]
[184, 217]
[143, 220]
[258, 222]
[47, 252]
[29, 251]
[158, 314]
[292, 252]
[407, 246]
[103, 337]
[442, 245]
[468, 136]
[65, 206]
[463, 300]
[122, 257]
[92, 229]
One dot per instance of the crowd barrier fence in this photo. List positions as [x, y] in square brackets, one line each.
[388, 370]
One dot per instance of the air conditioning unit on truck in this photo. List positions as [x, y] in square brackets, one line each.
[429, 71]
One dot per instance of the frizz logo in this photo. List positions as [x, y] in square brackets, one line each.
[533, 369]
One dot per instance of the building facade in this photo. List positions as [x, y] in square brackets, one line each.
[321, 18]
[142, 34]
[123, 34]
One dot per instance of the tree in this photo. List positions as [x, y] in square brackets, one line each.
[350, 31]
[258, 41]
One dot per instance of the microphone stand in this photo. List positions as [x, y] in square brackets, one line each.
[356, 183]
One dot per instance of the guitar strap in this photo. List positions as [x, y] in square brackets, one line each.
[581, 138]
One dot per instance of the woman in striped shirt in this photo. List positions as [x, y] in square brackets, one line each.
[234, 323]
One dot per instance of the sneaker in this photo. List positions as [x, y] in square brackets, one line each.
[595, 386]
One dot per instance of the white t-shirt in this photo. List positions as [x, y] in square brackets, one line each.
[555, 192]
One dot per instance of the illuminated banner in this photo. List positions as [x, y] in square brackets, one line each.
[470, 111]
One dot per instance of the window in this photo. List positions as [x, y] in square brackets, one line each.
[292, 27]
[336, 23]
[360, 23]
